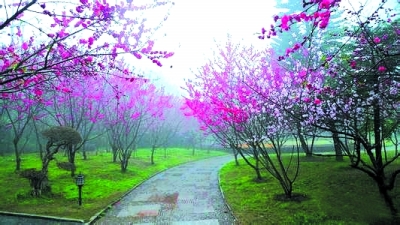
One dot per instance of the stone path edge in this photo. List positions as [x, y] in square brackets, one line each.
[235, 220]
[42, 217]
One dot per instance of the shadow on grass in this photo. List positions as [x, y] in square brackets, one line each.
[296, 197]
[262, 180]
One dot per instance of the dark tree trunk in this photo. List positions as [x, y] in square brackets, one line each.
[17, 155]
[40, 149]
[396, 150]
[37, 180]
[124, 165]
[304, 145]
[71, 158]
[84, 154]
[288, 188]
[38, 140]
[153, 149]
[41, 184]
[114, 153]
[384, 192]
[337, 146]
[380, 179]
[124, 158]
[235, 154]
[258, 172]
[255, 168]
[303, 142]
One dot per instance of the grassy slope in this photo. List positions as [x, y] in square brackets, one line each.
[104, 183]
[337, 194]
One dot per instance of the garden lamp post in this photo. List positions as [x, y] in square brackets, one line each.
[80, 180]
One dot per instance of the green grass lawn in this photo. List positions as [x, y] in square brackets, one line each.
[335, 194]
[104, 183]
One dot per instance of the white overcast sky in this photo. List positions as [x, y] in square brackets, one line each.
[194, 25]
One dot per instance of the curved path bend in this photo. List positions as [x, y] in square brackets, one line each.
[186, 194]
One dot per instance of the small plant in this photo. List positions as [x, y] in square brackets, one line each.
[37, 180]
[66, 166]
[57, 137]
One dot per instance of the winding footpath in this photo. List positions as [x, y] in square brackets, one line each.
[186, 194]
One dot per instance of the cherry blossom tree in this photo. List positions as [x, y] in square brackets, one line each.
[19, 111]
[48, 39]
[229, 95]
[133, 104]
[352, 90]
[77, 104]
[48, 46]
[164, 129]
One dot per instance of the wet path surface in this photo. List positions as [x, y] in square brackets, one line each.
[186, 194]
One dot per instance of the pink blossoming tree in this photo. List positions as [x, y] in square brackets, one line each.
[229, 98]
[355, 91]
[132, 106]
[47, 41]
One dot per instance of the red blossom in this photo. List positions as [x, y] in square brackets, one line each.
[353, 64]
[24, 46]
[284, 22]
[325, 4]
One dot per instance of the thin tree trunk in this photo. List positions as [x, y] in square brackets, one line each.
[84, 154]
[153, 149]
[337, 147]
[385, 194]
[396, 143]
[124, 158]
[303, 142]
[114, 153]
[257, 170]
[38, 140]
[17, 155]
[71, 158]
[123, 166]
[235, 154]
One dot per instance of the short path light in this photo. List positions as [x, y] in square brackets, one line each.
[80, 181]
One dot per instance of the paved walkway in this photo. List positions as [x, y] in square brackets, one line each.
[187, 194]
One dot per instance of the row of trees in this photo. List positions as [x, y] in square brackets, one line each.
[66, 71]
[341, 80]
